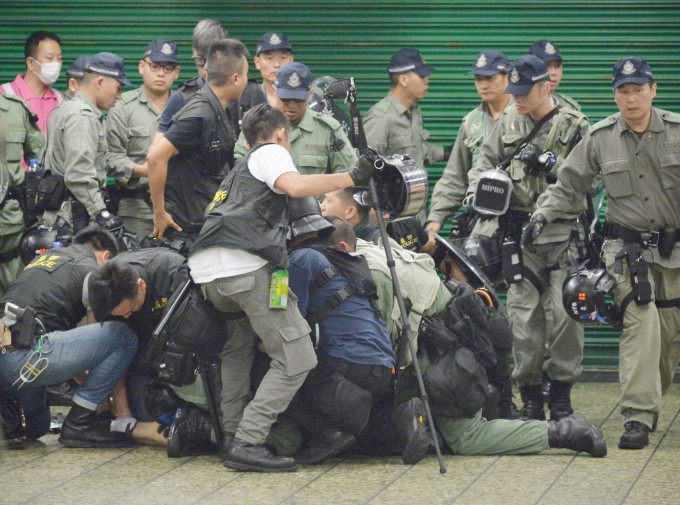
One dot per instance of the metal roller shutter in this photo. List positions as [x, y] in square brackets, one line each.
[355, 37]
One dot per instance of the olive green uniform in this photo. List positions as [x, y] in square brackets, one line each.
[392, 129]
[130, 128]
[642, 178]
[547, 265]
[76, 150]
[318, 145]
[449, 191]
[566, 101]
[19, 139]
[424, 294]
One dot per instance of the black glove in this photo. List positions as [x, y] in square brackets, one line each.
[536, 160]
[533, 230]
[108, 221]
[365, 167]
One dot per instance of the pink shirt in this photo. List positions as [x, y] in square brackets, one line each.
[43, 107]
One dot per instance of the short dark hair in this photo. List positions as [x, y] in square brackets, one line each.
[97, 239]
[206, 32]
[225, 58]
[343, 232]
[34, 39]
[394, 80]
[347, 196]
[261, 121]
[108, 285]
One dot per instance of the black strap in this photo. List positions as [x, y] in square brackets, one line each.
[322, 278]
[338, 297]
[534, 279]
[506, 161]
[667, 304]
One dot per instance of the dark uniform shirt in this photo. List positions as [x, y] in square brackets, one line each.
[53, 285]
[204, 137]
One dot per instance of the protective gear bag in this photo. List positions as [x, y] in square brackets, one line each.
[455, 381]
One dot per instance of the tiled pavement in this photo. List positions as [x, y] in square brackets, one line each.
[51, 474]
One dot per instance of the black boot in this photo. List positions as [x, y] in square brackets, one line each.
[254, 458]
[575, 433]
[560, 400]
[410, 425]
[635, 437]
[506, 407]
[324, 445]
[84, 428]
[532, 397]
[189, 433]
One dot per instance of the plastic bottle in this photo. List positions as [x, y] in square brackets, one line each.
[33, 166]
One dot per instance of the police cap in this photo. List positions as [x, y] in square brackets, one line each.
[631, 70]
[545, 50]
[77, 68]
[293, 81]
[108, 65]
[271, 41]
[526, 71]
[162, 51]
[409, 60]
[490, 63]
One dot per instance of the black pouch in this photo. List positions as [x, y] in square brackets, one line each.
[667, 241]
[511, 253]
[51, 192]
[639, 276]
[25, 329]
[346, 405]
[80, 216]
[177, 366]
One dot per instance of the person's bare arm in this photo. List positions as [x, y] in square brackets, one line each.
[297, 185]
[157, 158]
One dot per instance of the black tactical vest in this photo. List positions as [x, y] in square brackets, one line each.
[188, 89]
[193, 176]
[53, 285]
[246, 215]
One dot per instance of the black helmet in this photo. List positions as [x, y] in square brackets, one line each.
[36, 241]
[583, 297]
[304, 216]
[486, 253]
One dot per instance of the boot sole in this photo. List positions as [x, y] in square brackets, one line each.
[632, 446]
[243, 467]
[83, 444]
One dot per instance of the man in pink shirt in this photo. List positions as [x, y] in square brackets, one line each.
[43, 66]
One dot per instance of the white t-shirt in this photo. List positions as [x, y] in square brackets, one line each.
[266, 164]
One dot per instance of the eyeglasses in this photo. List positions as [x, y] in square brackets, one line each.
[156, 67]
[199, 61]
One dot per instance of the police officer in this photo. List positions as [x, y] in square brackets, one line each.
[187, 164]
[76, 148]
[636, 152]
[273, 51]
[74, 75]
[532, 164]
[130, 127]
[491, 78]
[20, 139]
[52, 284]
[394, 125]
[550, 54]
[318, 143]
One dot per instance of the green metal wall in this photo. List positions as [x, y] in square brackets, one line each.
[356, 37]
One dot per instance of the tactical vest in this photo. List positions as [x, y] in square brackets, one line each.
[188, 89]
[246, 215]
[563, 134]
[53, 285]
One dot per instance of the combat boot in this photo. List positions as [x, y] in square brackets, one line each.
[324, 445]
[636, 436]
[410, 425]
[560, 400]
[575, 433]
[532, 397]
[241, 455]
[189, 433]
[85, 428]
[506, 407]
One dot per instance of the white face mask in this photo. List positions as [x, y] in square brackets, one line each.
[50, 71]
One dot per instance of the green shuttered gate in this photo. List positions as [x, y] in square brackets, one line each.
[357, 37]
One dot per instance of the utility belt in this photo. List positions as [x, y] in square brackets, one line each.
[664, 239]
[349, 369]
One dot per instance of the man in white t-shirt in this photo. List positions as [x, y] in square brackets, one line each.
[242, 242]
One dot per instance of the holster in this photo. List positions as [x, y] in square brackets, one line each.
[639, 272]
[25, 329]
[51, 192]
[80, 216]
[667, 240]
[511, 254]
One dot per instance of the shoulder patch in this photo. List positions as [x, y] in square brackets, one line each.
[671, 117]
[130, 95]
[609, 121]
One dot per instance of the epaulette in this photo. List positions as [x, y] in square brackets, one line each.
[328, 120]
[671, 117]
[130, 95]
[86, 106]
[609, 121]
[382, 106]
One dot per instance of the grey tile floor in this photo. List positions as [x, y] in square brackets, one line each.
[51, 474]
